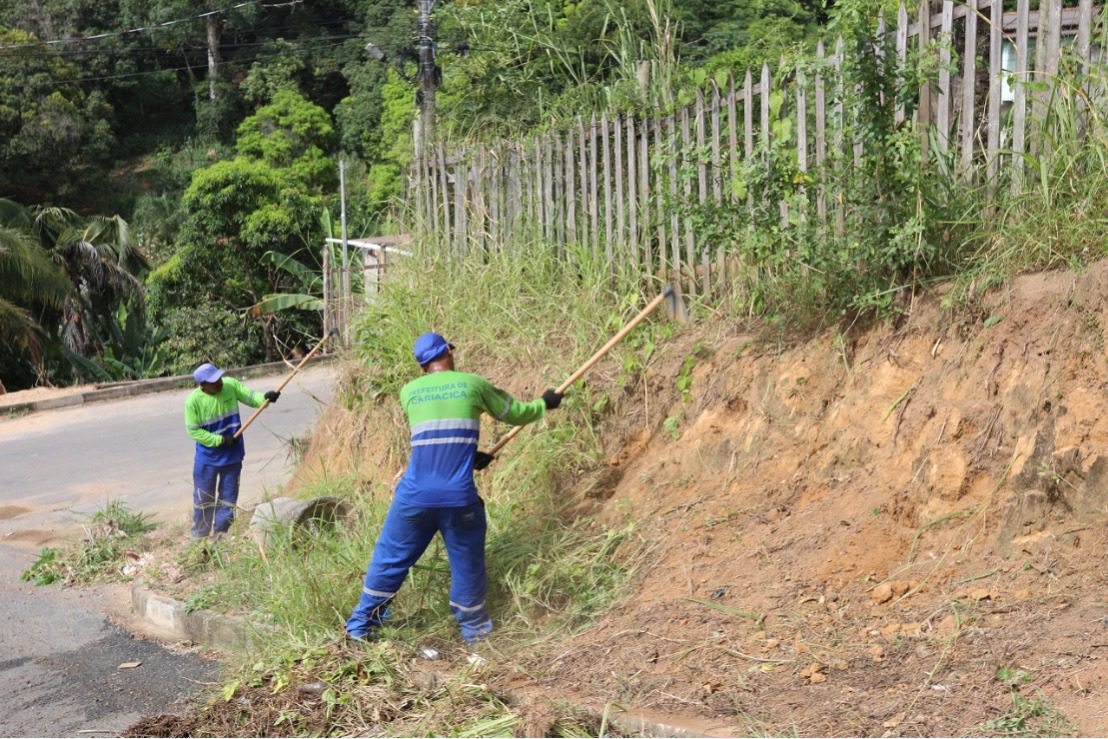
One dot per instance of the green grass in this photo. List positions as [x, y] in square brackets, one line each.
[525, 322]
[109, 535]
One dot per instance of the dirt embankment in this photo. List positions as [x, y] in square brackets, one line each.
[902, 533]
[890, 535]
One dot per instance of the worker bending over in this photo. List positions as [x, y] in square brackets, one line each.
[437, 491]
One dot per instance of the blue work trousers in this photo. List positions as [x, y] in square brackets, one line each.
[405, 535]
[206, 479]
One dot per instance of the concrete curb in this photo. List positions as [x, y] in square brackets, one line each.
[116, 390]
[201, 627]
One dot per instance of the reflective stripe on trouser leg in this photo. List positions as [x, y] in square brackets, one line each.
[203, 497]
[404, 536]
[463, 532]
[229, 477]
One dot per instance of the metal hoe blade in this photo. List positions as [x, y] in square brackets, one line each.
[675, 306]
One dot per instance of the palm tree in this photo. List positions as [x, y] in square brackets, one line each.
[94, 259]
[32, 287]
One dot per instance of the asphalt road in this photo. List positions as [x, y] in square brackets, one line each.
[59, 467]
[60, 662]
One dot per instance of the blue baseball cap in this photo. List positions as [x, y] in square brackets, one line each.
[207, 372]
[429, 347]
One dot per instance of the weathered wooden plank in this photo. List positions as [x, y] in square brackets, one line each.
[923, 115]
[1019, 104]
[477, 202]
[801, 129]
[689, 159]
[748, 129]
[1084, 32]
[764, 120]
[632, 192]
[837, 147]
[583, 183]
[444, 179]
[1051, 49]
[996, 72]
[461, 225]
[527, 197]
[541, 180]
[942, 115]
[558, 185]
[495, 168]
[571, 191]
[659, 196]
[644, 195]
[969, 87]
[821, 133]
[605, 153]
[701, 141]
[732, 133]
[1037, 73]
[620, 232]
[431, 222]
[717, 169]
[674, 224]
[901, 54]
[706, 271]
[594, 199]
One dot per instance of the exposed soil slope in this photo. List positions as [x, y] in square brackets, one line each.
[857, 540]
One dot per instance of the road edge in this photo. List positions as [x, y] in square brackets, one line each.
[116, 390]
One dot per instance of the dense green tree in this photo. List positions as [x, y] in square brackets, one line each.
[52, 134]
[267, 199]
[292, 134]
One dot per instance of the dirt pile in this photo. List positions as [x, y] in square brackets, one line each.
[900, 534]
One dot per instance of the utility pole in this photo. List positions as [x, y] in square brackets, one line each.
[428, 80]
[347, 301]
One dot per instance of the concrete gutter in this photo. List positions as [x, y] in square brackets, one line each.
[200, 627]
[116, 390]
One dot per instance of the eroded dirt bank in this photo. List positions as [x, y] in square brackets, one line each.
[882, 536]
[899, 533]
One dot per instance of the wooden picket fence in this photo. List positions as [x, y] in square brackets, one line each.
[623, 188]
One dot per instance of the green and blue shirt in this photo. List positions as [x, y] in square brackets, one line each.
[444, 413]
[208, 418]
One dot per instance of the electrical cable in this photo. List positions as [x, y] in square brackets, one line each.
[226, 63]
[163, 24]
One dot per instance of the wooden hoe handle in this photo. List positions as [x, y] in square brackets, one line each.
[592, 360]
[286, 381]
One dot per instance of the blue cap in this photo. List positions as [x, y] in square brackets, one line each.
[207, 372]
[429, 347]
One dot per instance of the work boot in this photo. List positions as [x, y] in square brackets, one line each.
[369, 637]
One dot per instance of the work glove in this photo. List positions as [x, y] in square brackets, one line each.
[552, 398]
[272, 396]
[229, 440]
[481, 460]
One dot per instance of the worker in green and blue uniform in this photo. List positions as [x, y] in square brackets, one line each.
[437, 492]
[212, 419]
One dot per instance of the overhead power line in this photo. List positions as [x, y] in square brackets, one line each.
[124, 51]
[228, 62]
[155, 27]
